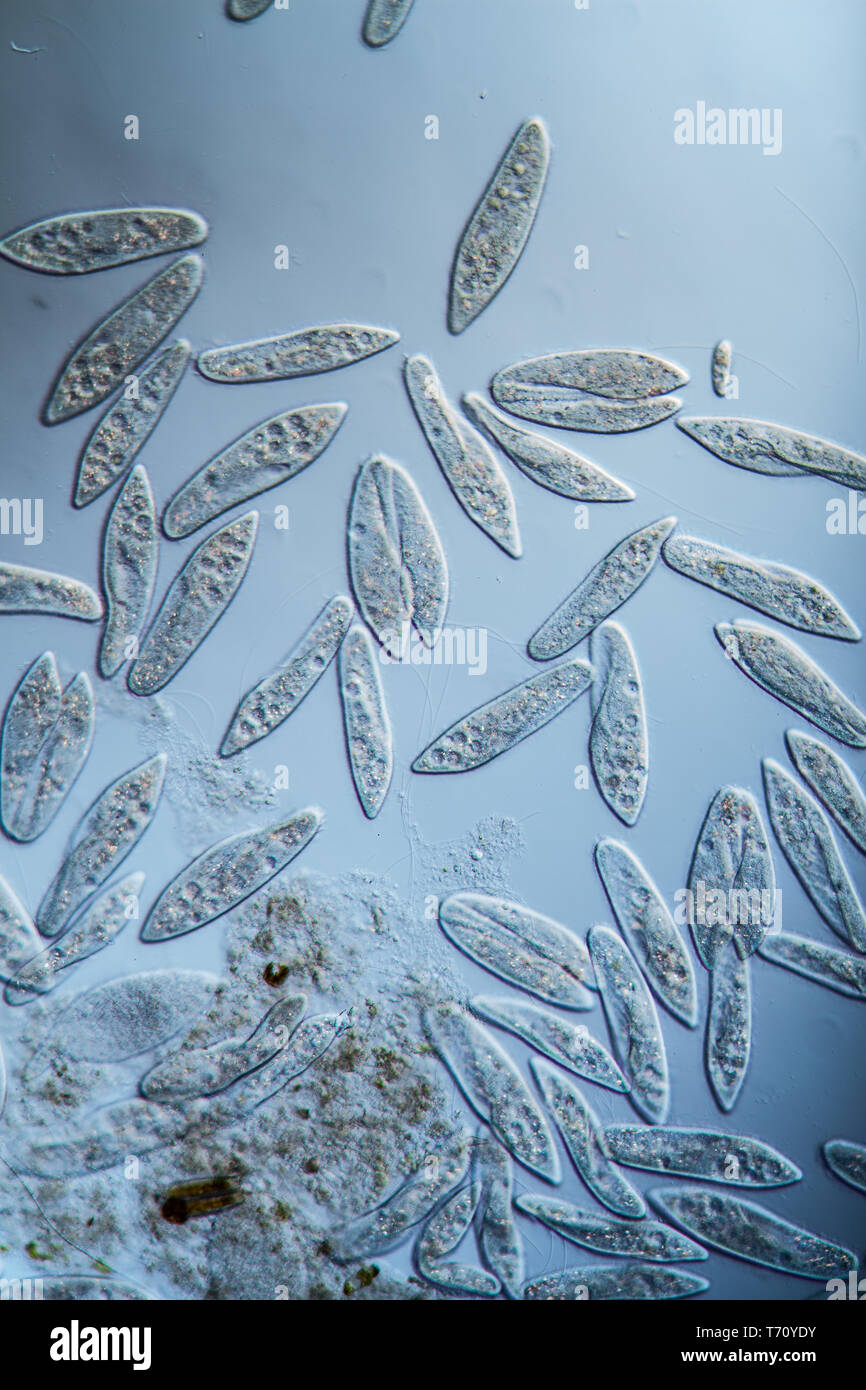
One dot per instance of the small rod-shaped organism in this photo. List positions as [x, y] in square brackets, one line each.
[810, 848]
[766, 448]
[751, 1232]
[265, 456]
[128, 423]
[783, 669]
[547, 462]
[104, 836]
[129, 557]
[777, 590]
[384, 19]
[196, 599]
[369, 741]
[26, 590]
[471, 469]
[396, 560]
[505, 720]
[46, 738]
[123, 340]
[301, 353]
[278, 695]
[77, 242]
[521, 946]
[601, 592]
[499, 228]
[227, 873]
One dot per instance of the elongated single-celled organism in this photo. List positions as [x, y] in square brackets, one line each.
[633, 1022]
[30, 718]
[832, 781]
[95, 929]
[499, 228]
[777, 590]
[445, 1229]
[103, 838]
[642, 1240]
[584, 1140]
[197, 597]
[132, 1014]
[645, 921]
[732, 883]
[129, 553]
[496, 1230]
[569, 1044]
[750, 1232]
[369, 742]
[521, 946]
[384, 20]
[572, 410]
[246, 9]
[307, 350]
[396, 561]
[506, 720]
[544, 460]
[729, 1025]
[618, 740]
[604, 589]
[309, 1041]
[126, 425]
[271, 701]
[19, 941]
[25, 590]
[47, 733]
[847, 1161]
[203, 1071]
[442, 1233]
[621, 1281]
[227, 873]
[493, 1087]
[466, 459]
[267, 455]
[140, 1126]
[377, 1231]
[766, 448]
[701, 1153]
[128, 1127]
[810, 848]
[618, 374]
[77, 242]
[826, 965]
[123, 340]
[720, 367]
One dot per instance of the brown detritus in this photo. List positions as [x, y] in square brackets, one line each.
[311, 1165]
[274, 974]
[389, 1064]
[285, 909]
[349, 1056]
[200, 1197]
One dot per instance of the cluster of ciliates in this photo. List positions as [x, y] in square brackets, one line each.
[398, 576]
